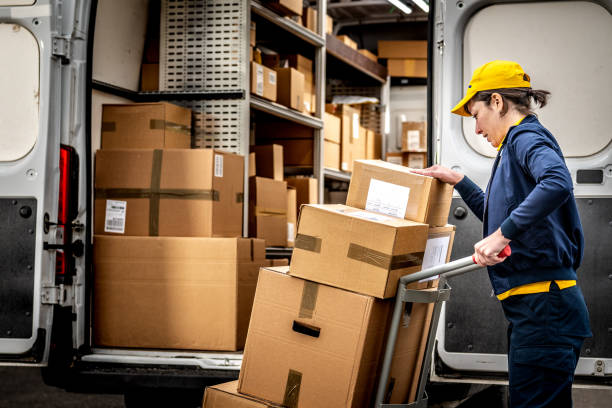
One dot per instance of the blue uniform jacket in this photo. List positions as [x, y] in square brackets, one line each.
[530, 196]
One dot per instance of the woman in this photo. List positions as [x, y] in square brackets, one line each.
[529, 204]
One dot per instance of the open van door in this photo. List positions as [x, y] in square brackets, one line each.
[565, 48]
[43, 47]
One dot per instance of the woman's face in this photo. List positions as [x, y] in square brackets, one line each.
[489, 123]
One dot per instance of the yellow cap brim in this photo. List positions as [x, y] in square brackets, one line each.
[459, 109]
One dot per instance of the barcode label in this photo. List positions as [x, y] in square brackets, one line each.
[272, 78]
[291, 232]
[259, 78]
[414, 139]
[218, 165]
[115, 216]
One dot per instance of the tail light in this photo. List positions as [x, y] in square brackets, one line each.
[67, 212]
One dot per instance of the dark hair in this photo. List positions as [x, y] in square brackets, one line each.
[519, 97]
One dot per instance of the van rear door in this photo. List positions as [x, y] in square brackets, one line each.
[37, 79]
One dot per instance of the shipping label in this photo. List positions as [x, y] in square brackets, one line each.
[259, 79]
[290, 232]
[414, 139]
[355, 126]
[218, 165]
[114, 220]
[387, 198]
[435, 254]
[369, 216]
[272, 78]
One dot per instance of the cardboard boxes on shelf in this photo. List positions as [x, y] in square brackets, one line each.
[414, 137]
[368, 54]
[287, 7]
[393, 190]
[291, 215]
[374, 145]
[263, 81]
[414, 68]
[307, 189]
[304, 65]
[146, 126]
[172, 192]
[357, 250]
[269, 161]
[290, 90]
[174, 293]
[402, 49]
[347, 41]
[309, 18]
[332, 140]
[268, 210]
[297, 141]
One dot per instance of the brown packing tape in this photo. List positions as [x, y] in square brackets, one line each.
[382, 260]
[175, 127]
[309, 299]
[239, 197]
[154, 201]
[292, 389]
[104, 193]
[269, 211]
[109, 126]
[308, 243]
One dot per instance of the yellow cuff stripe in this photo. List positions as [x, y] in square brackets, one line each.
[536, 287]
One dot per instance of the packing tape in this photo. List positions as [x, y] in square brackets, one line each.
[382, 260]
[239, 197]
[269, 211]
[154, 200]
[308, 243]
[183, 194]
[109, 126]
[292, 389]
[309, 299]
[175, 127]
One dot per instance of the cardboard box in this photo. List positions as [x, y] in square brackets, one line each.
[347, 41]
[332, 136]
[174, 293]
[253, 34]
[312, 345]
[309, 18]
[252, 165]
[297, 141]
[329, 25]
[360, 144]
[149, 77]
[349, 134]
[146, 126]
[305, 66]
[438, 251]
[277, 262]
[398, 158]
[335, 197]
[369, 55]
[357, 250]
[263, 81]
[374, 145]
[417, 160]
[172, 192]
[307, 190]
[331, 155]
[291, 215]
[393, 190]
[402, 49]
[290, 88]
[269, 161]
[414, 136]
[268, 210]
[226, 395]
[287, 7]
[415, 68]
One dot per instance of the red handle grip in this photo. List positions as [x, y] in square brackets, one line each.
[506, 252]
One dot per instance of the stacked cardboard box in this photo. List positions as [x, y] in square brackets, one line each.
[297, 141]
[353, 137]
[305, 67]
[264, 82]
[307, 190]
[405, 58]
[333, 138]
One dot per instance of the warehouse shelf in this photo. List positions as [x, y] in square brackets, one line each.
[336, 175]
[163, 95]
[287, 24]
[285, 113]
[360, 64]
[278, 252]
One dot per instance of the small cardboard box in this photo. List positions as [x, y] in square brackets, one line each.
[329, 25]
[291, 215]
[331, 155]
[356, 250]
[309, 18]
[369, 55]
[149, 77]
[402, 49]
[312, 345]
[349, 135]
[146, 126]
[417, 160]
[307, 189]
[414, 137]
[347, 41]
[332, 135]
[226, 395]
[393, 190]
[287, 7]
[252, 165]
[305, 66]
[269, 161]
[268, 210]
[297, 141]
[290, 88]
[414, 68]
[374, 145]
[263, 81]
[170, 192]
[174, 292]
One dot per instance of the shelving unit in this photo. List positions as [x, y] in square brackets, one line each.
[283, 112]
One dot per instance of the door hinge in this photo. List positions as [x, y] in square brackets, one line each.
[55, 295]
[62, 47]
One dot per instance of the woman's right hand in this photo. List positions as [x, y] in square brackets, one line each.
[442, 173]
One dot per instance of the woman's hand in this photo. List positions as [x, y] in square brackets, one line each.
[486, 251]
[443, 174]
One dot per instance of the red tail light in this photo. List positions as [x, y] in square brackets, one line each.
[67, 212]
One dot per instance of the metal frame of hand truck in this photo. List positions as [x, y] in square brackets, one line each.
[404, 295]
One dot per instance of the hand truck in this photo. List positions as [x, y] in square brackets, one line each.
[404, 295]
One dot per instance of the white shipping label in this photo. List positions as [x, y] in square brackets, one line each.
[414, 140]
[344, 166]
[369, 216]
[114, 220]
[387, 198]
[395, 160]
[415, 161]
[435, 254]
[290, 232]
[355, 126]
[272, 78]
[218, 165]
[259, 79]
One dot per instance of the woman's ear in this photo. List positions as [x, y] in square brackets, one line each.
[497, 102]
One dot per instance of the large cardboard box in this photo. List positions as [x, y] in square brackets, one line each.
[269, 162]
[145, 126]
[312, 345]
[415, 68]
[226, 395]
[174, 293]
[393, 190]
[287, 7]
[268, 210]
[307, 190]
[290, 88]
[414, 136]
[357, 250]
[171, 192]
[402, 49]
[264, 81]
[291, 215]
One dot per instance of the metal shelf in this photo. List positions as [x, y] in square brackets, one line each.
[355, 60]
[278, 252]
[285, 113]
[287, 24]
[336, 175]
[163, 95]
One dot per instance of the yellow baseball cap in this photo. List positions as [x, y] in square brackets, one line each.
[493, 75]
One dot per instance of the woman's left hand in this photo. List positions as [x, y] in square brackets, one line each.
[486, 251]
